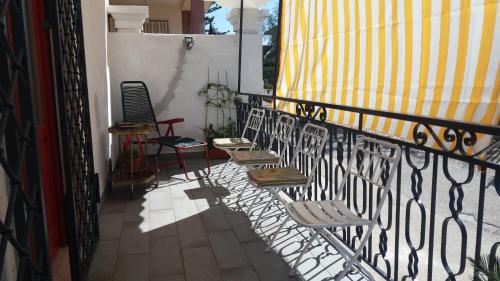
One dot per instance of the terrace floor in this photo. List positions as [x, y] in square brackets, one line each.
[190, 231]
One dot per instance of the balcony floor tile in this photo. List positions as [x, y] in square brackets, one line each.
[190, 231]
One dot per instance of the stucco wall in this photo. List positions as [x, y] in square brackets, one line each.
[174, 75]
[94, 30]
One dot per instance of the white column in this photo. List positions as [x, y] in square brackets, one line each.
[252, 20]
[129, 18]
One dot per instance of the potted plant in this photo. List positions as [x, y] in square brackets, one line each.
[227, 131]
[135, 157]
[219, 100]
[487, 268]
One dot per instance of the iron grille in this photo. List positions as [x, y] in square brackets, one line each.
[23, 244]
[82, 190]
[424, 219]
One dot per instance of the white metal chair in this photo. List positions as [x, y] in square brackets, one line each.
[309, 147]
[373, 161]
[261, 158]
[253, 125]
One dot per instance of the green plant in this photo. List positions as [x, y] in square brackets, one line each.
[218, 98]
[227, 131]
[487, 267]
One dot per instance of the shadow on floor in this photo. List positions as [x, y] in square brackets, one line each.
[195, 231]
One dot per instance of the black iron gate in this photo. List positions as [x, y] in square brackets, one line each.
[23, 244]
[82, 192]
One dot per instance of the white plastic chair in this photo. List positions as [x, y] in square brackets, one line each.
[253, 125]
[377, 166]
[261, 158]
[309, 147]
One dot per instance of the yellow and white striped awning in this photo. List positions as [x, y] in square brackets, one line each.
[433, 58]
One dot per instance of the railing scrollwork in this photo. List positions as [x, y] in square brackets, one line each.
[424, 231]
[453, 140]
[311, 112]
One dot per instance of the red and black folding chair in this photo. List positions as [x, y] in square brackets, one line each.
[137, 108]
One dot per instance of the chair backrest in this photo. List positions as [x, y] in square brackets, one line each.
[253, 124]
[136, 103]
[282, 133]
[310, 147]
[374, 161]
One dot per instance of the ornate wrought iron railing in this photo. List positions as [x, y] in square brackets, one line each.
[443, 204]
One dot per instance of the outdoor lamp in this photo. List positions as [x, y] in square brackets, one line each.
[189, 42]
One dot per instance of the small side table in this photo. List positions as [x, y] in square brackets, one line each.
[132, 166]
[182, 144]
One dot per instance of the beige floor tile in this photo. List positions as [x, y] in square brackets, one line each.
[134, 245]
[268, 266]
[228, 251]
[104, 260]
[134, 229]
[241, 226]
[110, 226]
[113, 204]
[239, 274]
[162, 223]
[184, 208]
[132, 268]
[200, 265]
[178, 191]
[192, 233]
[176, 277]
[214, 219]
[137, 210]
[160, 200]
[166, 256]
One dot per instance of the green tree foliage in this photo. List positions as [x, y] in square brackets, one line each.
[270, 40]
[210, 21]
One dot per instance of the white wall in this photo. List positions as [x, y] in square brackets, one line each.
[174, 75]
[94, 30]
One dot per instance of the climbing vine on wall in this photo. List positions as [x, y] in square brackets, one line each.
[219, 99]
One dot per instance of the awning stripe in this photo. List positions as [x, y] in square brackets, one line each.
[433, 58]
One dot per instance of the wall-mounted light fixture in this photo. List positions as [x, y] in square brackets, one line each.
[189, 42]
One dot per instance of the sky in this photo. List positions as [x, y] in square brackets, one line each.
[223, 24]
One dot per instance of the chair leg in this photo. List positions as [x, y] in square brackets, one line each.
[306, 247]
[354, 258]
[256, 223]
[180, 160]
[275, 235]
[234, 176]
[241, 193]
[159, 150]
[223, 168]
[254, 200]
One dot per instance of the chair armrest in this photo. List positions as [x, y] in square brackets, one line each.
[171, 121]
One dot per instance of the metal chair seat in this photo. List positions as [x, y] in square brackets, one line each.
[274, 177]
[321, 214]
[255, 157]
[232, 143]
[374, 161]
